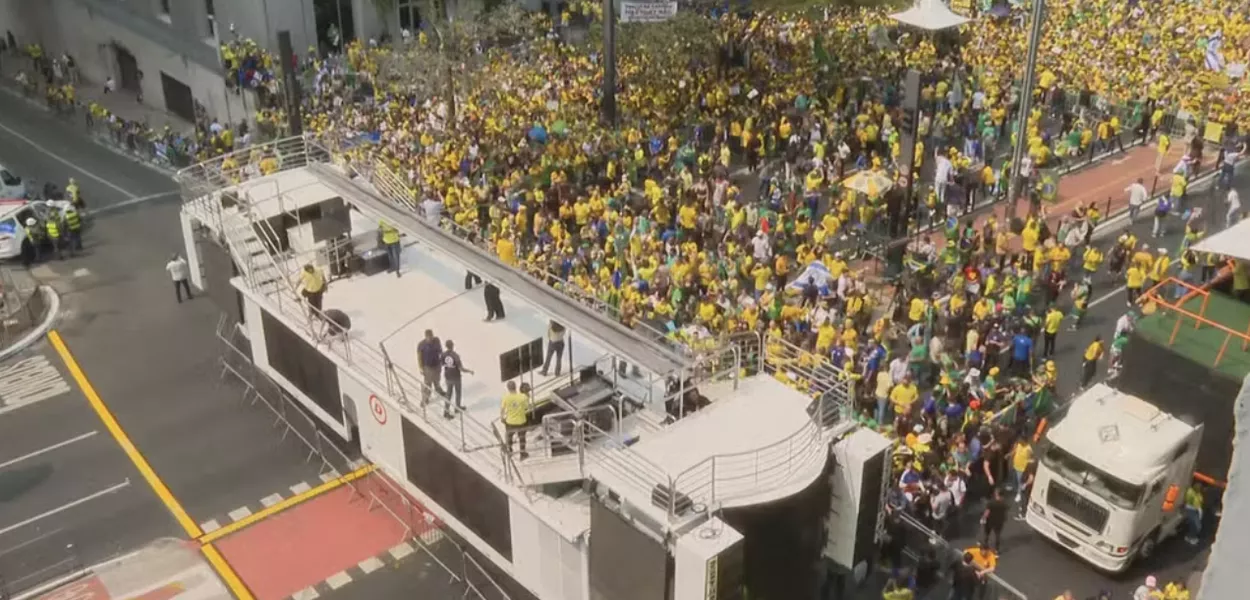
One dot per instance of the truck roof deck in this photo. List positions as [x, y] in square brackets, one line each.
[1134, 438]
[1202, 344]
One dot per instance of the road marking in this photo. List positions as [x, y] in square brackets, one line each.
[306, 594]
[226, 572]
[110, 422]
[271, 500]
[300, 488]
[401, 551]
[1107, 296]
[64, 507]
[210, 525]
[330, 476]
[41, 451]
[28, 381]
[81, 273]
[370, 564]
[338, 580]
[45, 535]
[67, 162]
[240, 513]
[131, 202]
[269, 511]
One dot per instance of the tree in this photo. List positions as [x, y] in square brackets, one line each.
[451, 54]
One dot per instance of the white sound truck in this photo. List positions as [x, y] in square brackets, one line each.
[1111, 477]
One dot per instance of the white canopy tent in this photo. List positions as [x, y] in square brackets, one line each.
[930, 15]
[1233, 242]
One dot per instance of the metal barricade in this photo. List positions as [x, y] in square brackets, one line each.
[922, 545]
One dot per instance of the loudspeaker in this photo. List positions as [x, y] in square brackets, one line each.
[661, 495]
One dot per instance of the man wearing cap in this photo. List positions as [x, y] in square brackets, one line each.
[1148, 590]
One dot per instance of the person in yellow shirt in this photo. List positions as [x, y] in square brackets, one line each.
[1021, 456]
[1134, 279]
[903, 396]
[1050, 330]
[1089, 366]
[1159, 270]
[514, 412]
[506, 249]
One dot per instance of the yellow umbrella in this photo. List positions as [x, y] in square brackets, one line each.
[869, 183]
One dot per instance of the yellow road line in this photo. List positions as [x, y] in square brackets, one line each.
[227, 573]
[261, 515]
[188, 524]
[162, 491]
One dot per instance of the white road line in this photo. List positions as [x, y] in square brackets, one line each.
[329, 476]
[65, 507]
[300, 488]
[370, 564]
[271, 500]
[131, 202]
[306, 594]
[401, 551]
[210, 526]
[28, 381]
[8, 463]
[66, 162]
[34, 540]
[338, 580]
[1107, 296]
[240, 513]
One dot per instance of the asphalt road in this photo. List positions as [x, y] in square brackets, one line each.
[152, 361]
[1029, 562]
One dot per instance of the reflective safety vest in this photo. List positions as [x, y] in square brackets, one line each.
[73, 221]
[34, 234]
[390, 235]
[72, 190]
[54, 231]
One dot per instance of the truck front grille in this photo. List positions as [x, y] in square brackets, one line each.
[1074, 505]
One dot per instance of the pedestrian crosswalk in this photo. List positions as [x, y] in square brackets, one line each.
[30, 380]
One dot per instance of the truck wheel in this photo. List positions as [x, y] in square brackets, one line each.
[1148, 546]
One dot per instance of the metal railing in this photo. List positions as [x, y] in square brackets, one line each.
[922, 543]
[22, 308]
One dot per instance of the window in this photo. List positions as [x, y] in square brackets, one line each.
[409, 15]
[8, 178]
[211, 12]
[164, 7]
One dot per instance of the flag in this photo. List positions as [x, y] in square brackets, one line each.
[818, 50]
[1215, 58]
[1048, 185]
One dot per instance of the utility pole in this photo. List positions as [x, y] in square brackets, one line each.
[609, 63]
[1026, 101]
[294, 101]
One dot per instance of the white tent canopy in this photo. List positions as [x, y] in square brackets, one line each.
[1233, 242]
[930, 15]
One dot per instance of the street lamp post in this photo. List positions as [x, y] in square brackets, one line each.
[1026, 101]
[609, 63]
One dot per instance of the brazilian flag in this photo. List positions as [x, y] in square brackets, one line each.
[818, 51]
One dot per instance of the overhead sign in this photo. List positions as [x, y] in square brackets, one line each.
[647, 12]
[378, 409]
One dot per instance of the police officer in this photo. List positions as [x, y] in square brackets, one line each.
[390, 240]
[75, 197]
[54, 235]
[514, 412]
[31, 246]
[73, 226]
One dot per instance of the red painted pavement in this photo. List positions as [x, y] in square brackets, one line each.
[308, 543]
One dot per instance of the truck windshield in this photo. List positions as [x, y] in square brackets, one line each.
[1116, 491]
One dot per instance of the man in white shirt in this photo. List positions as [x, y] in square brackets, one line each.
[1234, 207]
[179, 272]
[1136, 198]
[942, 175]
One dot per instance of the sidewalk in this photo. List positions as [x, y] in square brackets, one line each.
[1101, 184]
[166, 569]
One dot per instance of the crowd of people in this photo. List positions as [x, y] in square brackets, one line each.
[722, 201]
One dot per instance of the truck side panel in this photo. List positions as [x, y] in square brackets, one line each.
[1190, 390]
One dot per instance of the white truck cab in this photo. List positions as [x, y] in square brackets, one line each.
[1111, 479]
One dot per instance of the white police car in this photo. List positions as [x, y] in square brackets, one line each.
[13, 215]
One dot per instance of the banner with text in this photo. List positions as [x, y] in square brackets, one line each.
[647, 12]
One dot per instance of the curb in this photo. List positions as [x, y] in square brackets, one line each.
[54, 309]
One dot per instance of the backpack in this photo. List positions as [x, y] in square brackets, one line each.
[1163, 207]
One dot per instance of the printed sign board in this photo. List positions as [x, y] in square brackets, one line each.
[647, 12]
